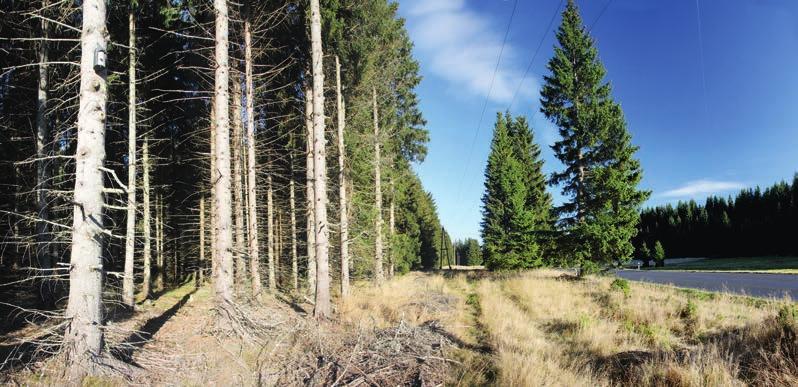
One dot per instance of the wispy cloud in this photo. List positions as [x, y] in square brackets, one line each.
[702, 187]
[462, 46]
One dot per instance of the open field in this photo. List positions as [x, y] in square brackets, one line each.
[786, 265]
[464, 328]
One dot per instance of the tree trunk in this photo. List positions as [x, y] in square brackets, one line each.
[212, 184]
[311, 217]
[238, 187]
[223, 205]
[294, 258]
[254, 250]
[146, 285]
[83, 339]
[201, 263]
[323, 308]
[128, 293]
[270, 234]
[392, 231]
[378, 272]
[343, 208]
[44, 256]
[159, 259]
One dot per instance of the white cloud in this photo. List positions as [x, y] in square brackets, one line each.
[703, 187]
[462, 46]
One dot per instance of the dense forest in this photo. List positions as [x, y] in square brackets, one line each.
[755, 222]
[267, 145]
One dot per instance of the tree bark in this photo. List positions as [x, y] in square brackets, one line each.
[254, 250]
[378, 271]
[238, 187]
[323, 308]
[392, 231]
[270, 234]
[44, 256]
[83, 339]
[201, 263]
[222, 204]
[294, 258]
[159, 258]
[128, 292]
[212, 183]
[342, 204]
[309, 193]
[146, 285]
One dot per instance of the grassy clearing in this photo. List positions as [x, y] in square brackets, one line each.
[593, 332]
[784, 265]
[472, 329]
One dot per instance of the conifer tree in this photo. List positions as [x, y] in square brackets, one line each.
[508, 225]
[601, 174]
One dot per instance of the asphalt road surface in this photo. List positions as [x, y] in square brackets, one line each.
[757, 285]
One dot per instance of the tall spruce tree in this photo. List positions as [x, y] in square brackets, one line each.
[508, 224]
[538, 200]
[601, 174]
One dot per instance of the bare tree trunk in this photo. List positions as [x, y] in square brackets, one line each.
[294, 258]
[342, 204]
[159, 258]
[224, 233]
[44, 256]
[212, 183]
[254, 249]
[323, 308]
[378, 272]
[392, 232]
[238, 188]
[201, 263]
[146, 285]
[83, 339]
[270, 234]
[128, 293]
[311, 217]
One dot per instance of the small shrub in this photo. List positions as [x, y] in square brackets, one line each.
[788, 316]
[690, 311]
[472, 299]
[585, 321]
[621, 285]
[689, 315]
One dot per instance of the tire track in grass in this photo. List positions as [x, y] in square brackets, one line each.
[478, 366]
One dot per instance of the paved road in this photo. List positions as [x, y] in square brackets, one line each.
[758, 285]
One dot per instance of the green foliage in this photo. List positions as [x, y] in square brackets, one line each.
[788, 316]
[621, 285]
[644, 254]
[601, 174]
[754, 222]
[659, 254]
[468, 252]
[515, 205]
[690, 311]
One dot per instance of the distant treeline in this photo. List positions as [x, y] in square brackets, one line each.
[754, 223]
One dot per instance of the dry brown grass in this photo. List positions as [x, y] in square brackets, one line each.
[550, 331]
[473, 329]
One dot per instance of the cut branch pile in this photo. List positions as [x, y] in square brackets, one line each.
[401, 355]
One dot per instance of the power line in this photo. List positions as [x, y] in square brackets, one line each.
[701, 58]
[537, 50]
[487, 98]
[599, 15]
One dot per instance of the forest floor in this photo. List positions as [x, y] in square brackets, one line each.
[776, 265]
[461, 328]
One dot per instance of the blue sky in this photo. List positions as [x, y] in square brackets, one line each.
[712, 101]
